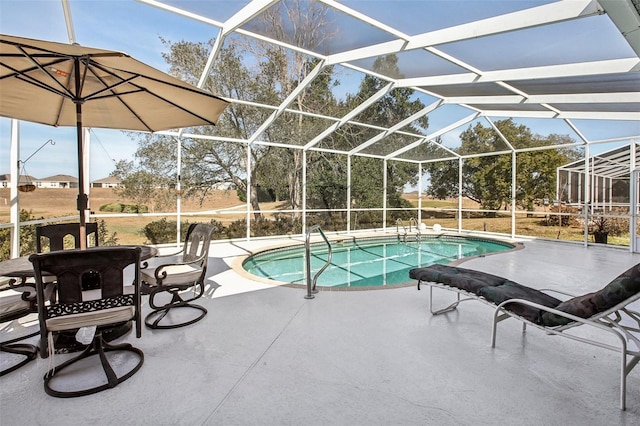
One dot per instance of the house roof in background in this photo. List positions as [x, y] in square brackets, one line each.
[59, 178]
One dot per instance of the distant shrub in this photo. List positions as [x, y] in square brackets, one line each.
[123, 208]
[104, 237]
[27, 237]
[237, 229]
[220, 231]
[163, 231]
[281, 225]
[552, 219]
[111, 207]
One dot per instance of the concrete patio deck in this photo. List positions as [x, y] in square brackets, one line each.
[265, 355]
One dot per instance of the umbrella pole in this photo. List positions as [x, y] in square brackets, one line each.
[82, 197]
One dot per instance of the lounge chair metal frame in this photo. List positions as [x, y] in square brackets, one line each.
[612, 321]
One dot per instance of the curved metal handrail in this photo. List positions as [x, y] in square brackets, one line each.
[418, 234]
[399, 223]
[311, 286]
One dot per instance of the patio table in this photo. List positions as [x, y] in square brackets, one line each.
[21, 267]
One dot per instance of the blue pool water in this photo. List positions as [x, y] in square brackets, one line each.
[367, 262]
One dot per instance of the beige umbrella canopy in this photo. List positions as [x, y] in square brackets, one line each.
[69, 85]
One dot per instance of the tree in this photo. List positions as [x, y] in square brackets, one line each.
[487, 179]
[250, 70]
[367, 172]
[263, 73]
[145, 185]
[306, 25]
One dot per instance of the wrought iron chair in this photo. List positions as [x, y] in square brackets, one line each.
[17, 300]
[105, 308]
[53, 237]
[185, 271]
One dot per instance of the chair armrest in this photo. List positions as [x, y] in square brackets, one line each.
[20, 285]
[16, 283]
[145, 264]
[160, 256]
[602, 322]
[160, 273]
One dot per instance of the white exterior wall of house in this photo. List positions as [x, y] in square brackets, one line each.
[50, 182]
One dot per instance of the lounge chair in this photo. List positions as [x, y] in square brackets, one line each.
[606, 310]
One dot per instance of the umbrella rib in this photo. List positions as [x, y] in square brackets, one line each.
[206, 120]
[44, 70]
[167, 83]
[194, 90]
[24, 76]
[107, 87]
[143, 89]
[115, 94]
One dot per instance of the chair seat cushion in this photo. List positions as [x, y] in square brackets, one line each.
[513, 290]
[465, 279]
[176, 274]
[88, 319]
[623, 287]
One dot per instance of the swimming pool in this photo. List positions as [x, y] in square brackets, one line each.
[369, 262]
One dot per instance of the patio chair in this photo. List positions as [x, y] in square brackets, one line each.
[178, 280]
[17, 300]
[93, 313]
[605, 312]
[53, 237]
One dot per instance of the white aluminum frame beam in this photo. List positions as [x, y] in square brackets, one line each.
[533, 17]
[611, 66]
[396, 127]
[353, 113]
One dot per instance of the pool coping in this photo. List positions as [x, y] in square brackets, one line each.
[238, 268]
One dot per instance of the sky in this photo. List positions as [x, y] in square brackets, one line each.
[135, 28]
[94, 23]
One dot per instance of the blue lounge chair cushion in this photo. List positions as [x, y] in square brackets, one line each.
[621, 288]
[512, 290]
[465, 279]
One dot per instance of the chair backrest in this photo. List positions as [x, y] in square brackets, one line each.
[621, 291]
[70, 267]
[196, 246]
[197, 242]
[56, 235]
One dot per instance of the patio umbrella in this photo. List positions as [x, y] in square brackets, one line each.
[70, 85]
